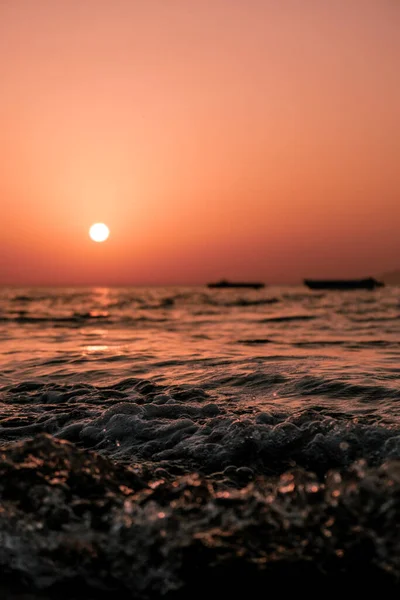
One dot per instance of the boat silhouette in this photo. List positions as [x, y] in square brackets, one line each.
[368, 283]
[224, 283]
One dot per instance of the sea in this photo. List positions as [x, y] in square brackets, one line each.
[162, 442]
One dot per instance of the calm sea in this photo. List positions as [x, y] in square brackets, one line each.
[282, 400]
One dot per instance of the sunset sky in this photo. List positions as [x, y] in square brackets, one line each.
[255, 139]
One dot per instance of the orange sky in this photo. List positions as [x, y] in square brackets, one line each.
[251, 139]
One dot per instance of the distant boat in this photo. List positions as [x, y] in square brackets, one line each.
[369, 283]
[224, 283]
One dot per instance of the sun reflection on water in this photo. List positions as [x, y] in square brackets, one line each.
[96, 348]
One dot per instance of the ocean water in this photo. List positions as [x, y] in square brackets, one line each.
[157, 440]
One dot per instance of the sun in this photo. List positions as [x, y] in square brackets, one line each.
[99, 232]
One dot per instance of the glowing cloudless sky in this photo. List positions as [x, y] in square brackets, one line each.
[216, 138]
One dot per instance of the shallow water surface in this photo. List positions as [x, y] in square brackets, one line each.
[235, 386]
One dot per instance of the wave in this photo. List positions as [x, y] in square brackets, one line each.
[335, 388]
[79, 319]
[76, 318]
[373, 319]
[190, 427]
[256, 341]
[241, 302]
[357, 344]
[288, 318]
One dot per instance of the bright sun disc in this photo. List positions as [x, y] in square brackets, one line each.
[99, 232]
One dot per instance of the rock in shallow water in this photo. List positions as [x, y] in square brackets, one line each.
[76, 525]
